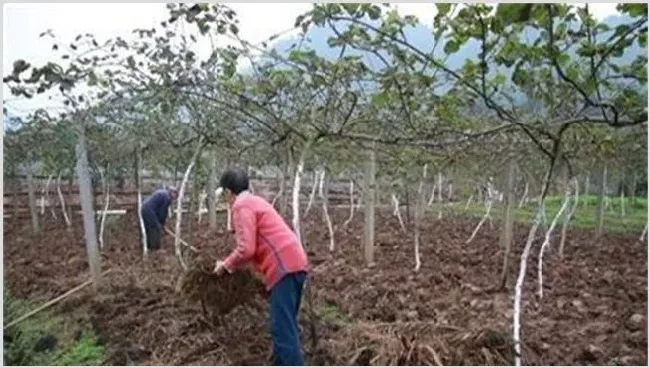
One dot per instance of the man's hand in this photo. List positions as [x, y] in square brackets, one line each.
[220, 268]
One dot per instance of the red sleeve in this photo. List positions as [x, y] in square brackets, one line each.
[245, 225]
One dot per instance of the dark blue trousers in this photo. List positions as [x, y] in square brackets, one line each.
[153, 229]
[285, 304]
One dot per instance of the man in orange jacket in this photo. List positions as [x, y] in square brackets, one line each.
[265, 240]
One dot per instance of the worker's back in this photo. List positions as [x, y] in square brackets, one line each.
[158, 204]
[277, 250]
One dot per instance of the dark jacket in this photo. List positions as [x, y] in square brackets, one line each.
[158, 204]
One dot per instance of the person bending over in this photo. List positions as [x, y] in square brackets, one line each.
[154, 215]
[265, 241]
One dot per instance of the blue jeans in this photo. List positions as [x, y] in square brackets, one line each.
[285, 304]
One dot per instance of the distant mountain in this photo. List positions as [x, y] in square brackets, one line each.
[421, 37]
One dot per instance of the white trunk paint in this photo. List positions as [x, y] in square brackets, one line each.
[519, 286]
[432, 197]
[313, 190]
[524, 198]
[644, 233]
[419, 212]
[107, 199]
[179, 214]
[469, 201]
[397, 213]
[323, 197]
[62, 200]
[202, 208]
[46, 194]
[439, 187]
[567, 219]
[280, 193]
[547, 243]
[295, 202]
[485, 217]
[143, 232]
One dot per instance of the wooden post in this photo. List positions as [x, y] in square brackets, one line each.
[369, 207]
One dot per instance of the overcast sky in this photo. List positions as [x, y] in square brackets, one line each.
[22, 24]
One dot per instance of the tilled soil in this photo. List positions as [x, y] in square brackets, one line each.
[593, 311]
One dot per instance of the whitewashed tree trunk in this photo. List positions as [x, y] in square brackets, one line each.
[250, 179]
[313, 191]
[369, 207]
[351, 204]
[106, 185]
[419, 212]
[524, 198]
[450, 191]
[360, 200]
[62, 201]
[201, 206]
[644, 233]
[469, 201]
[522, 269]
[508, 220]
[281, 184]
[295, 195]
[520, 283]
[433, 195]
[179, 205]
[212, 197]
[138, 184]
[51, 202]
[567, 218]
[323, 196]
[439, 187]
[31, 195]
[143, 231]
[397, 212]
[485, 217]
[601, 205]
[547, 243]
[228, 218]
[86, 199]
[45, 196]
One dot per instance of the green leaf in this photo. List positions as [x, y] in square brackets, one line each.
[496, 25]
[380, 99]
[351, 8]
[635, 10]
[443, 8]
[233, 29]
[520, 75]
[499, 79]
[451, 47]
[318, 16]
[374, 12]
[643, 39]
[514, 13]
[92, 78]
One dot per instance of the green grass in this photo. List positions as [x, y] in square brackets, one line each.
[584, 217]
[75, 345]
[330, 312]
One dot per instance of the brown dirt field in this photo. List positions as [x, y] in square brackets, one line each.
[448, 313]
